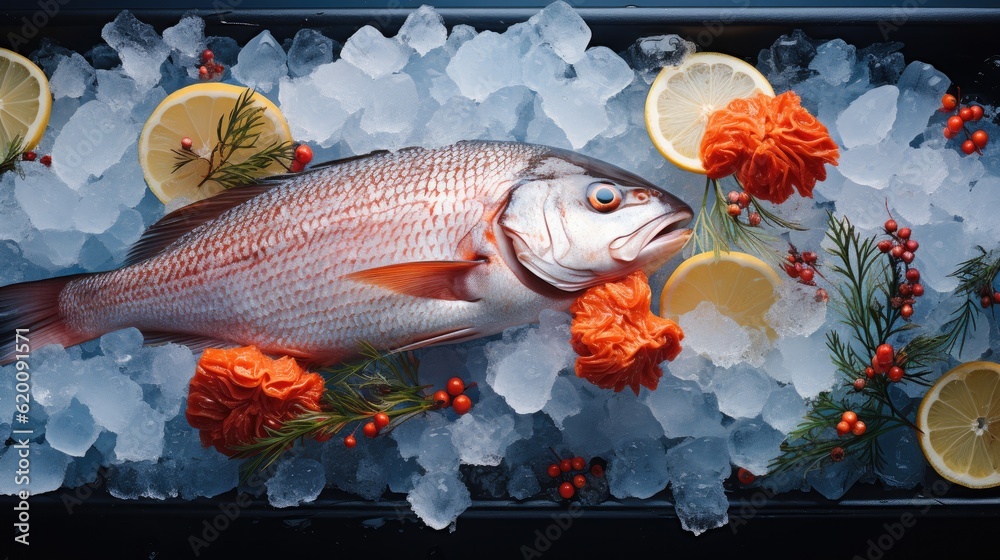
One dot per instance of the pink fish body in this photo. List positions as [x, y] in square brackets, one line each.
[399, 250]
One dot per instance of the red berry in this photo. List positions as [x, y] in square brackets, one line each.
[965, 113]
[566, 465]
[843, 428]
[906, 257]
[579, 464]
[895, 373]
[303, 153]
[579, 481]
[597, 470]
[218, 68]
[986, 301]
[743, 200]
[885, 245]
[455, 386]
[896, 251]
[859, 428]
[849, 416]
[203, 72]
[869, 372]
[733, 197]
[917, 290]
[860, 383]
[370, 429]
[566, 490]
[906, 311]
[996, 297]
[980, 138]
[29, 156]
[350, 441]
[45, 160]
[949, 102]
[884, 353]
[734, 210]
[442, 399]
[186, 143]
[904, 233]
[754, 219]
[791, 271]
[807, 275]
[968, 147]
[955, 123]
[554, 470]
[837, 454]
[207, 55]
[809, 257]
[745, 476]
[948, 133]
[913, 275]
[791, 258]
[296, 166]
[911, 245]
[821, 296]
[905, 290]
[977, 112]
[381, 420]
[890, 225]
[461, 404]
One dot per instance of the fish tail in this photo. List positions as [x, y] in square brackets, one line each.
[29, 313]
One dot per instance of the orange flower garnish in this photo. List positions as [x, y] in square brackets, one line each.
[772, 144]
[236, 393]
[617, 338]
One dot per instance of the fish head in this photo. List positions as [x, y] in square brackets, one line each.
[575, 222]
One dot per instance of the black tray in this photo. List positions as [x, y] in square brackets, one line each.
[868, 522]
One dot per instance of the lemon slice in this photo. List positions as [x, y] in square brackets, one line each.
[741, 286]
[25, 101]
[194, 112]
[682, 97]
[960, 423]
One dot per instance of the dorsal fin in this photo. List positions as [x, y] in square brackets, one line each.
[175, 224]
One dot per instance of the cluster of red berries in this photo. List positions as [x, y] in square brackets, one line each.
[987, 299]
[883, 363]
[849, 423]
[454, 395]
[801, 265]
[745, 477]
[372, 428]
[209, 67]
[303, 155]
[738, 201]
[974, 142]
[45, 160]
[901, 248]
[566, 467]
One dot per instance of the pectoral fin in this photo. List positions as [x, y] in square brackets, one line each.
[449, 337]
[444, 280]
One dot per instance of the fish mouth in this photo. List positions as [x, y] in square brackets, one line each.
[655, 242]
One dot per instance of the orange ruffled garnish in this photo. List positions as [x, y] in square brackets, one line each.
[772, 144]
[236, 393]
[619, 342]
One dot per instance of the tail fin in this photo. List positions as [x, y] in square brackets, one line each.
[31, 309]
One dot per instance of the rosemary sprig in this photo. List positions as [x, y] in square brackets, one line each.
[11, 154]
[716, 230]
[355, 392]
[976, 278]
[239, 130]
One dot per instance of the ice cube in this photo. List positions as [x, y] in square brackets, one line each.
[164, 370]
[295, 481]
[834, 61]
[93, 140]
[902, 463]
[753, 444]
[833, 480]
[373, 53]
[872, 165]
[869, 118]
[715, 336]
[187, 38]
[47, 202]
[72, 77]
[504, 111]
[436, 450]
[47, 470]
[312, 116]
[787, 61]
[466, 67]
[604, 72]
[564, 401]
[525, 364]
[457, 119]
[810, 371]
[575, 108]
[784, 409]
[388, 113]
[423, 30]
[482, 435]
[649, 54]
[117, 91]
[696, 469]
[261, 63]
[920, 89]
[683, 410]
[560, 27]
[629, 418]
[638, 468]
[741, 390]
[796, 311]
[523, 483]
[55, 379]
[139, 47]
[72, 430]
[943, 247]
[310, 49]
[439, 498]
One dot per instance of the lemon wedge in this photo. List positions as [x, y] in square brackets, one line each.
[682, 97]
[194, 112]
[25, 101]
[741, 286]
[959, 418]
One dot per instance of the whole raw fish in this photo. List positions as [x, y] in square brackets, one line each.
[399, 250]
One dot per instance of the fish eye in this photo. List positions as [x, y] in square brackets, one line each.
[604, 197]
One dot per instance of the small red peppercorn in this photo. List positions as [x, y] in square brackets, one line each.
[381, 420]
[566, 465]
[896, 251]
[843, 428]
[980, 138]
[303, 153]
[579, 481]
[807, 275]
[455, 386]
[860, 383]
[949, 133]
[917, 290]
[849, 416]
[911, 245]
[905, 290]
[566, 490]
[968, 147]
[890, 225]
[29, 156]
[579, 464]
[955, 123]
[370, 429]
[906, 257]
[904, 233]
[461, 404]
[949, 102]
[207, 55]
[554, 470]
[895, 374]
[186, 143]
[350, 441]
[734, 210]
[977, 113]
[203, 73]
[45, 160]
[754, 219]
[885, 245]
[913, 275]
[906, 311]
[859, 428]
[869, 372]
[733, 197]
[441, 399]
[965, 113]
[743, 199]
